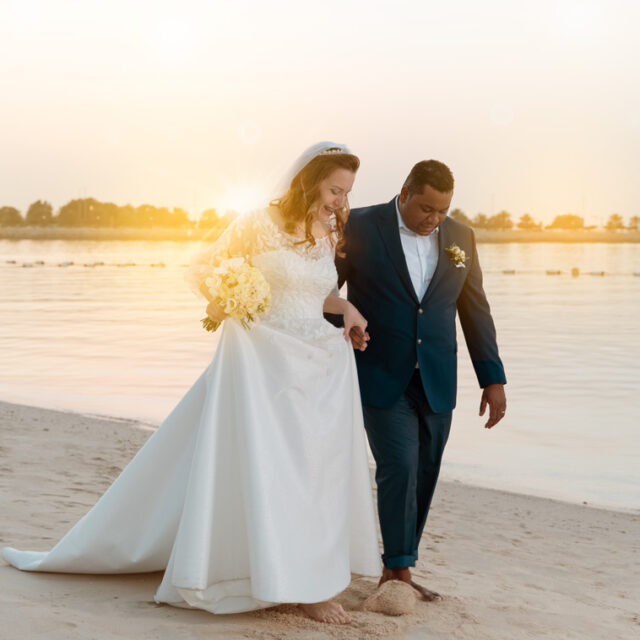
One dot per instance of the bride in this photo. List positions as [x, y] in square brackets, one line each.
[255, 489]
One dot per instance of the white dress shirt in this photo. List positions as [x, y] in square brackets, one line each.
[421, 255]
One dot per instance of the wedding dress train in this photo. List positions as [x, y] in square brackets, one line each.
[255, 490]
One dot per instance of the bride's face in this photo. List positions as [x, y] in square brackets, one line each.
[333, 193]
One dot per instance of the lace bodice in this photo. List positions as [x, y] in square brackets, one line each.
[300, 276]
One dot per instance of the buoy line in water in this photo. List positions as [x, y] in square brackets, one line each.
[71, 263]
[574, 272]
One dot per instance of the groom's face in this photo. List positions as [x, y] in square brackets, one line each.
[424, 212]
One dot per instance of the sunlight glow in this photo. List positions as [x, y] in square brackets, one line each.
[577, 17]
[241, 198]
[181, 103]
[171, 37]
[249, 132]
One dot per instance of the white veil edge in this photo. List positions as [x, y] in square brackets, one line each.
[303, 160]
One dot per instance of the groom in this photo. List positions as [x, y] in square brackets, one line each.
[408, 268]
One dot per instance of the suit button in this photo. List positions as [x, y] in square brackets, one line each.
[420, 310]
[419, 340]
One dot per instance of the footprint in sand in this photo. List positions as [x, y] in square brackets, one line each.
[393, 598]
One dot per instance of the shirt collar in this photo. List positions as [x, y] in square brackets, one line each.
[403, 227]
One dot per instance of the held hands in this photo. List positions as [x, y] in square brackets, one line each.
[494, 396]
[359, 338]
[355, 328]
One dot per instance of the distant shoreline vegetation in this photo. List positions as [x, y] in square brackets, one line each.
[90, 219]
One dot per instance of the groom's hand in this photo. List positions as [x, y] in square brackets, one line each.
[493, 395]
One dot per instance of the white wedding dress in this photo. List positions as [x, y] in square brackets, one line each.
[255, 490]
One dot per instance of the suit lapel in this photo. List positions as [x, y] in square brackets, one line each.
[443, 242]
[387, 221]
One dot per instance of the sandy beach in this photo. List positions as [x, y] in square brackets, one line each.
[509, 566]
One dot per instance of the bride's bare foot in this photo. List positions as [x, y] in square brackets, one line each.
[330, 612]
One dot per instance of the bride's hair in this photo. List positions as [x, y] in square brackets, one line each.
[304, 190]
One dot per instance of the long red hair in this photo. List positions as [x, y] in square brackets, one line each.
[295, 205]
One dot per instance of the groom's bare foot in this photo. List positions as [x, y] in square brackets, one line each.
[426, 594]
[404, 574]
[330, 612]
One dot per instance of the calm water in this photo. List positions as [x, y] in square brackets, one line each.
[126, 341]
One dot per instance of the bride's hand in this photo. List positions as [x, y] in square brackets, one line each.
[355, 328]
[216, 312]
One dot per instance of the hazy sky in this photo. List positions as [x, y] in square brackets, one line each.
[534, 105]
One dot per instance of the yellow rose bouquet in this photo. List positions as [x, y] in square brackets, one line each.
[240, 289]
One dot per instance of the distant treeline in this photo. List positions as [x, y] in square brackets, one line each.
[88, 212]
[568, 221]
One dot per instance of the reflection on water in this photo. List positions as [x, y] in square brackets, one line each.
[126, 341]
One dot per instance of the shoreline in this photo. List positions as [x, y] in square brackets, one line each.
[509, 565]
[157, 234]
[148, 426]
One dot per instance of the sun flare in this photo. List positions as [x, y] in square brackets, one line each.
[242, 198]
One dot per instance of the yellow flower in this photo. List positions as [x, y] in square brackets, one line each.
[240, 289]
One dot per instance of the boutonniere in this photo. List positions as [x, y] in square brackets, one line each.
[457, 256]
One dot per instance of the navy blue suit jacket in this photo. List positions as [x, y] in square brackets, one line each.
[405, 330]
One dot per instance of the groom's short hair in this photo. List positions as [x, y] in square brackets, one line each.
[432, 172]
